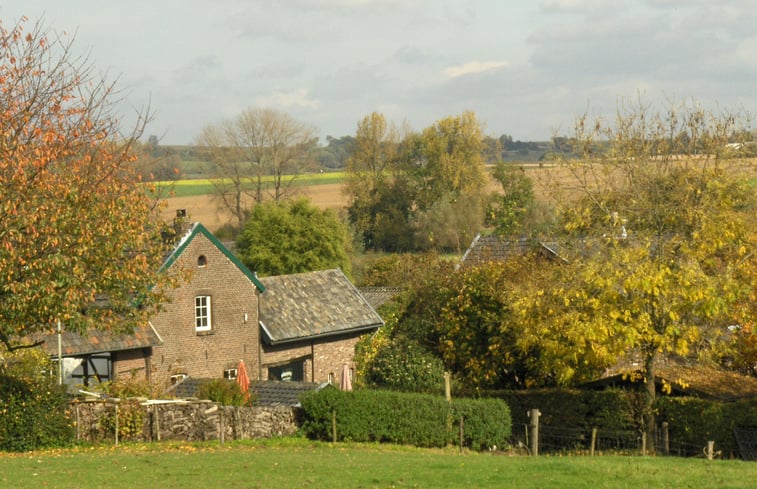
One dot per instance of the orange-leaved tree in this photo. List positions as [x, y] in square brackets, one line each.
[79, 237]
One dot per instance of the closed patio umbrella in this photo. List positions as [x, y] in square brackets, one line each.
[346, 384]
[243, 379]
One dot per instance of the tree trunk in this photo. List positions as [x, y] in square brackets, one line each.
[649, 399]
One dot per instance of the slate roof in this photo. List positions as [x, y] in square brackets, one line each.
[493, 248]
[378, 296]
[267, 392]
[276, 393]
[683, 378]
[310, 305]
[94, 341]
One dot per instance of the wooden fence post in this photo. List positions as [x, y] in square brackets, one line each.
[447, 386]
[115, 405]
[157, 422]
[710, 451]
[593, 440]
[643, 443]
[78, 422]
[534, 417]
[665, 438]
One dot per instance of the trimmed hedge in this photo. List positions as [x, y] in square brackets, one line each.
[692, 422]
[409, 419]
[609, 410]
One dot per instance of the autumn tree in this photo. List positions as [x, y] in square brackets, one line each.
[292, 237]
[80, 238]
[258, 154]
[380, 196]
[418, 191]
[514, 210]
[659, 214]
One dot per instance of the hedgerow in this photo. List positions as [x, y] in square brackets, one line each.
[410, 419]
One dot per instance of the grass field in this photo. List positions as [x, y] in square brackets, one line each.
[191, 188]
[296, 463]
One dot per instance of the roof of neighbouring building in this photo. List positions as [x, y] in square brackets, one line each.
[682, 378]
[378, 296]
[276, 393]
[494, 248]
[314, 304]
[94, 341]
[266, 392]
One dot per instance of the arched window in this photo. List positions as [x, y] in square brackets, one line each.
[202, 261]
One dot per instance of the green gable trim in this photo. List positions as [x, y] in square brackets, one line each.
[198, 228]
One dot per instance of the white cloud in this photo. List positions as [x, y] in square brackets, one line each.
[473, 68]
[297, 98]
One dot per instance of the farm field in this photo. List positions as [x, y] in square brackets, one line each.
[298, 463]
[325, 191]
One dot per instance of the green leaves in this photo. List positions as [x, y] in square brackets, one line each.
[293, 237]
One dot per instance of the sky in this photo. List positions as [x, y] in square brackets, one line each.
[527, 68]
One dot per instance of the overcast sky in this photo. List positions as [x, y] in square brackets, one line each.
[526, 68]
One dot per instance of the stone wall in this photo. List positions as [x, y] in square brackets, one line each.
[141, 420]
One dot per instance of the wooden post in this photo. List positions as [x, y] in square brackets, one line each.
[157, 422]
[116, 434]
[534, 417]
[221, 426]
[333, 426]
[643, 443]
[710, 450]
[665, 438]
[78, 422]
[447, 387]
[593, 440]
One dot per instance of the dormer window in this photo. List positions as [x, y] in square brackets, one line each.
[202, 261]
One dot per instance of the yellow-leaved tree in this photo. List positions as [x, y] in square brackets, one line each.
[79, 236]
[659, 211]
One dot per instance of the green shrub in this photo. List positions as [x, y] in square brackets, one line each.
[411, 419]
[131, 421]
[33, 408]
[406, 367]
[225, 392]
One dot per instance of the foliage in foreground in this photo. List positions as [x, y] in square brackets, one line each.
[411, 419]
[33, 408]
[76, 227]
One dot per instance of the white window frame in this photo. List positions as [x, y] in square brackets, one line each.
[202, 313]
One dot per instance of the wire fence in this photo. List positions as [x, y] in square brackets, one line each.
[570, 441]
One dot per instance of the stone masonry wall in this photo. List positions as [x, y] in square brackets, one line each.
[184, 420]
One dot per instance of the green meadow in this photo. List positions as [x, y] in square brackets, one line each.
[204, 186]
[298, 463]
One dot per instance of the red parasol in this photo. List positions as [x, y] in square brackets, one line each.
[243, 379]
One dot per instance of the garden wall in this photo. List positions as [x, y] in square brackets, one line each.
[140, 420]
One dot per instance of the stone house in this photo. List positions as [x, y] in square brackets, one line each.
[210, 321]
[294, 327]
